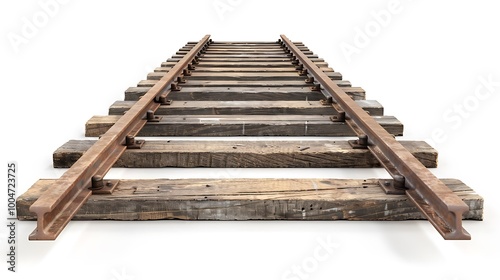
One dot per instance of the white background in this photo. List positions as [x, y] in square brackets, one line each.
[427, 59]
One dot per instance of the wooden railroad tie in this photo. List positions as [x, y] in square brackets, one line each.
[267, 92]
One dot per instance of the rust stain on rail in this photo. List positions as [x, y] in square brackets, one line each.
[56, 207]
[438, 203]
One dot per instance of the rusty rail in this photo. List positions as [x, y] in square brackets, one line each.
[437, 202]
[56, 207]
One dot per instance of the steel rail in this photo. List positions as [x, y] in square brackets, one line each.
[432, 197]
[57, 205]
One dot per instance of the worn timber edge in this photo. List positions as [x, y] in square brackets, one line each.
[241, 125]
[244, 93]
[244, 154]
[250, 199]
[281, 107]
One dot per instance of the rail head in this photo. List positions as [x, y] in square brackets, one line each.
[56, 207]
[433, 198]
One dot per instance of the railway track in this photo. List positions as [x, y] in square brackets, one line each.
[257, 90]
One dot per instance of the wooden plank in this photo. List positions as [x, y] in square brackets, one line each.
[202, 69]
[247, 108]
[245, 48]
[244, 154]
[208, 56]
[241, 125]
[243, 43]
[233, 47]
[243, 59]
[244, 93]
[239, 76]
[244, 64]
[252, 83]
[246, 43]
[250, 199]
[222, 51]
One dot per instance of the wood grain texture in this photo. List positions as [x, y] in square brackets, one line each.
[255, 48]
[244, 93]
[248, 63]
[250, 199]
[203, 69]
[244, 56]
[244, 154]
[244, 76]
[247, 108]
[251, 83]
[242, 125]
[216, 47]
[246, 43]
[228, 51]
[245, 59]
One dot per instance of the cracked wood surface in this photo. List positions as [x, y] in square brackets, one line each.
[250, 199]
